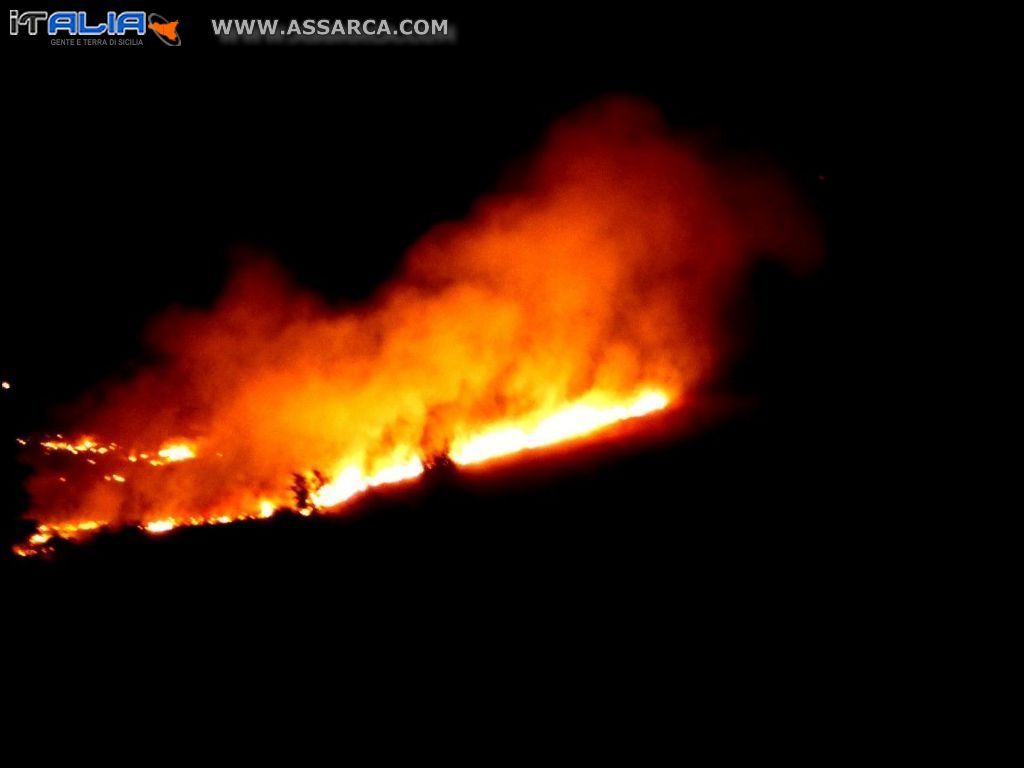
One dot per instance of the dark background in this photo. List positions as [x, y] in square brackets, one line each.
[133, 174]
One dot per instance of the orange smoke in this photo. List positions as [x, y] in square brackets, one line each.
[589, 294]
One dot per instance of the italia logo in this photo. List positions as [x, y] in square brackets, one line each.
[83, 24]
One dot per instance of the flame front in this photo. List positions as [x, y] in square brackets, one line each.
[590, 294]
[575, 421]
[572, 422]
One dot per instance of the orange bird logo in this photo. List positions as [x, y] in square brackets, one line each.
[168, 30]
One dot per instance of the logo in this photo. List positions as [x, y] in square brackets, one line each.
[75, 24]
[166, 31]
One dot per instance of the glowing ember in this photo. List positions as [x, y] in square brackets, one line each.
[83, 445]
[170, 453]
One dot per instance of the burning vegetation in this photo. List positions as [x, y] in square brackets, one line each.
[589, 294]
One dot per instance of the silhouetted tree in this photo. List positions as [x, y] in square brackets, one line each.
[300, 488]
[303, 488]
[440, 470]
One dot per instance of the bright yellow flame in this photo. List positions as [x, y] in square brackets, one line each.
[574, 421]
[5, 384]
[266, 508]
[351, 481]
[176, 452]
[159, 526]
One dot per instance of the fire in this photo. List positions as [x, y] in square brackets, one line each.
[572, 422]
[351, 481]
[177, 452]
[171, 451]
[575, 421]
[82, 445]
[591, 293]
[160, 526]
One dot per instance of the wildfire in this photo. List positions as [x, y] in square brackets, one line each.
[82, 445]
[592, 292]
[39, 542]
[177, 452]
[171, 451]
[351, 481]
[575, 421]
[572, 422]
